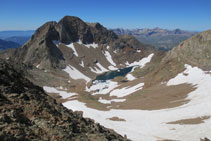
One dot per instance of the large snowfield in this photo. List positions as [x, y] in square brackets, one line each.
[150, 125]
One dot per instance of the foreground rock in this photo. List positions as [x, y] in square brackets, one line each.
[27, 113]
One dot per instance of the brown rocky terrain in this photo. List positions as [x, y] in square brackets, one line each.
[47, 50]
[40, 49]
[27, 113]
[194, 51]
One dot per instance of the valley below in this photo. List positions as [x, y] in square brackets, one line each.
[161, 112]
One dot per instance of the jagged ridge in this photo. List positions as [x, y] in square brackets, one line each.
[27, 113]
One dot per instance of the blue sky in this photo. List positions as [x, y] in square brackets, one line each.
[170, 14]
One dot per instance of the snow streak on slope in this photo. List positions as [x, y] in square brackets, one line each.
[112, 68]
[75, 74]
[38, 66]
[73, 48]
[104, 101]
[62, 93]
[191, 75]
[130, 77]
[152, 125]
[102, 69]
[109, 58]
[94, 45]
[127, 90]
[142, 62]
[102, 88]
[82, 63]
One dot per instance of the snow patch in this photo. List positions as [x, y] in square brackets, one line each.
[126, 91]
[99, 87]
[102, 69]
[94, 45]
[82, 63]
[104, 101]
[75, 74]
[38, 66]
[190, 75]
[109, 58]
[130, 77]
[112, 68]
[73, 48]
[149, 125]
[62, 93]
[142, 62]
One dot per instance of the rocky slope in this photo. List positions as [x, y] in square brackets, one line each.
[160, 38]
[87, 47]
[27, 113]
[69, 30]
[195, 51]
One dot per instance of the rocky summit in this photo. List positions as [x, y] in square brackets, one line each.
[28, 113]
[88, 47]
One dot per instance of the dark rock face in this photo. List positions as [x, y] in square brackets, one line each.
[41, 50]
[72, 29]
[27, 113]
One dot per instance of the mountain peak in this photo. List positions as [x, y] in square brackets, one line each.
[45, 30]
[177, 31]
[70, 18]
[73, 29]
[42, 49]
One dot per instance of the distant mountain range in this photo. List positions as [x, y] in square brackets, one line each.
[138, 91]
[8, 34]
[8, 44]
[14, 39]
[18, 39]
[160, 38]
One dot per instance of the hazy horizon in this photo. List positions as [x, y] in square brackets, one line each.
[191, 15]
[106, 27]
